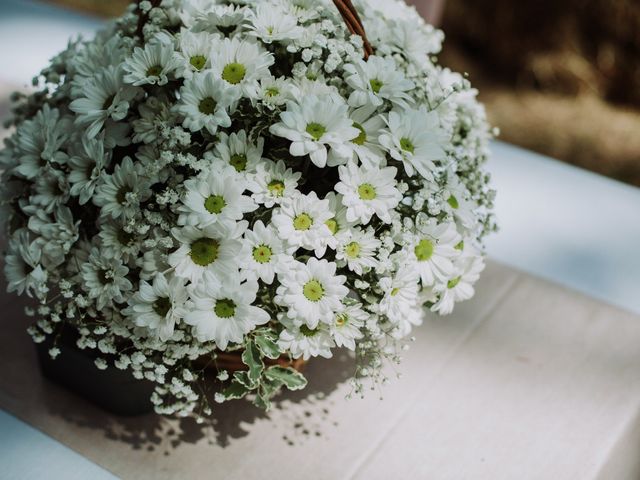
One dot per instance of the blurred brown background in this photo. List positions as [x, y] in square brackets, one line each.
[561, 77]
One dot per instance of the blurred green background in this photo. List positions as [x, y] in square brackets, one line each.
[560, 77]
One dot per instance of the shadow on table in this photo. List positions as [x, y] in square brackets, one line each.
[230, 420]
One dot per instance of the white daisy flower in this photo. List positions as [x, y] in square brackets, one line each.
[274, 92]
[376, 80]
[263, 253]
[117, 242]
[311, 292]
[346, 326]
[301, 221]
[305, 10]
[466, 272]
[272, 183]
[120, 194]
[368, 191]
[194, 51]
[207, 16]
[240, 64]
[338, 224]
[215, 197]
[458, 201]
[431, 250]
[159, 306]
[22, 266]
[400, 295]
[205, 102]
[365, 146]
[238, 151]
[303, 341]
[208, 254]
[315, 124]
[415, 139]
[223, 313]
[151, 65]
[357, 249]
[105, 279]
[51, 190]
[104, 96]
[86, 167]
[273, 24]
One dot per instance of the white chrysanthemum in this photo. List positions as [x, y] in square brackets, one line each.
[120, 194]
[105, 279]
[311, 292]
[205, 102]
[400, 295]
[303, 341]
[105, 96]
[415, 139]
[223, 313]
[151, 65]
[215, 197]
[375, 80]
[239, 151]
[357, 249]
[430, 252]
[456, 194]
[22, 266]
[270, 24]
[368, 191]
[274, 92]
[272, 183]
[117, 242]
[301, 222]
[57, 235]
[314, 124]
[51, 190]
[159, 306]
[338, 223]
[263, 253]
[208, 16]
[365, 146]
[415, 40]
[86, 166]
[194, 51]
[347, 324]
[208, 254]
[240, 64]
[467, 270]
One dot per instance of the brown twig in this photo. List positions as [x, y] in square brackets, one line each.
[354, 24]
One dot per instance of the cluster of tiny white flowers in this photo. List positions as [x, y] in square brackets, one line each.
[209, 176]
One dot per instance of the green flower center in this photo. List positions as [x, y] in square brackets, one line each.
[313, 291]
[302, 222]
[125, 238]
[453, 201]
[316, 130]
[198, 62]
[154, 71]
[215, 204]
[121, 194]
[271, 92]
[395, 291]
[162, 306]
[204, 251]
[352, 250]
[238, 161]
[308, 332]
[234, 73]
[362, 136]
[262, 254]
[376, 85]
[453, 283]
[424, 250]
[342, 319]
[407, 145]
[366, 191]
[276, 188]
[207, 106]
[332, 224]
[225, 308]
[460, 246]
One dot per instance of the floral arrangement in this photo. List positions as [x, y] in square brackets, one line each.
[240, 176]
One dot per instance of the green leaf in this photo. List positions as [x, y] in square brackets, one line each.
[262, 402]
[266, 343]
[252, 359]
[287, 376]
[235, 390]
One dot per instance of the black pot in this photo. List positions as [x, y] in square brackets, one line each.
[113, 390]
